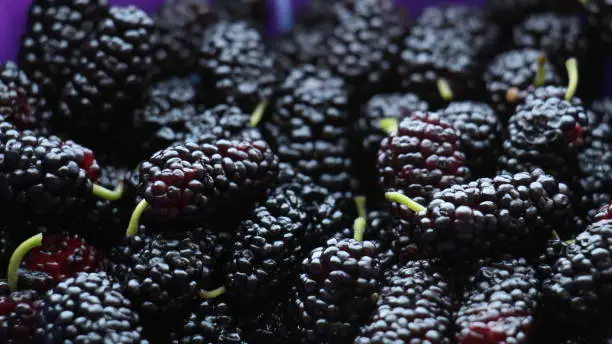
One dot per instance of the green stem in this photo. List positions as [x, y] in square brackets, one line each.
[402, 199]
[585, 3]
[211, 294]
[572, 72]
[359, 226]
[445, 90]
[388, 125]
[135, 219]
[360, 204]
[109, 195]
[540, 78]
[17, 257]
[258, 114]
[555, 235]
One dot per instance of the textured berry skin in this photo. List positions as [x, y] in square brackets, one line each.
[60, 257]
[469, 24]
[235, 66]
[595, 160]
[333, 293]
[414, 306]
[87, 308]
[42, 176]
[309, 127]
[579, 288]
[514, 69]
[212, 322]
[479, 134]
[267, 247]
[17, 315]
[164, 278]
[221, 122]
[506, 214]
[180, 26]
[429, 54]
[55, 33]
[21, 100]
[560, 36]
[204, 179]
[393, 105]
[499, 303]
[113, 71]
[600, 14]
[603, 213]
[422, 157]
[363, 46]
[545, 132]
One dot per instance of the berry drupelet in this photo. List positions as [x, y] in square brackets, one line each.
[235, 66]
[421, 157]
[111, 77]
[267, 247]
[221, 122]
[579, 289]
[21, 101]
[545, 132]
[87, 308]
[211, 322]
[363, 46]
[511, 73]
[334, 292]
[414, 306]
[17, 315]
[507, 214]
[370, 133]
[499, 304]
[180, 27]
[479, 134]
[56, 31]
[191, 180]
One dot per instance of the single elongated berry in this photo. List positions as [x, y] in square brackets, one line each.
[94, 303]
[17, 315]
[333, 293]
[422, 157]
[414, 306]
[505, 214]
[204, 179]
[499, 304]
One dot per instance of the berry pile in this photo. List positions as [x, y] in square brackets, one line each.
[184, 177]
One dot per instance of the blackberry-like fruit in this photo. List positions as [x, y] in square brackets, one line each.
[44, 175]
[162, 121]
[221, 122]
[370, 133]
[169, 272]
[600, 15]
[511, 73]
[57, 258]
[309, 127]
[87, 308]
[333, 293]
[56, 31]
[21, 101]
[414, 305]
[430, 58]
[469, 24]
[211, 322]
[17, 315]
[579, 288]
[603, 213]
[267, 246]
[545, 132]
[192, 180]
[505, 215]
[479, 133]
[270, 326]
[180, 27]
[123, 256]
[235, 66]
[499, 304]
[112, 75]
[421, 157]
[363, 46]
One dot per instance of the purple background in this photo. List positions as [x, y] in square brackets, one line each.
[13, 15]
